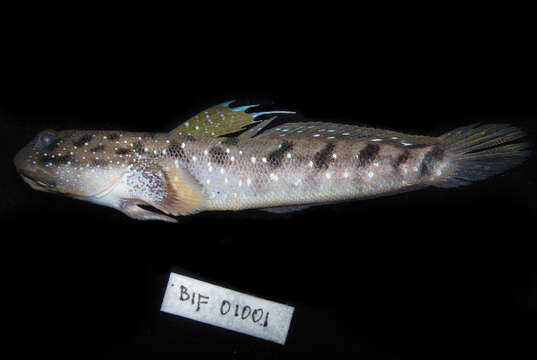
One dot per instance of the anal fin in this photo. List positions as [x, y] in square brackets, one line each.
[286, 209]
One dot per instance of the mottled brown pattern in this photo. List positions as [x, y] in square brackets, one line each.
[123, 151]
[97, 148]
[138, 147]
[176, 152]
[82, 140]
[402, 158]
[430, 160]
[218, 155]
[113, 137]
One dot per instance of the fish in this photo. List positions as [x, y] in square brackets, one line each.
[229, 158]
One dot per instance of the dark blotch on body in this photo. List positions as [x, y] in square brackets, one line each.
[138, 147]
[275, 158]
[218, 156]
[82, 140]
[402, 158]
[431, 160]
[322, 159]
[190, 138]
[176, 152]
[97, 148]
[368, 154]
[113, 137]
[230, 141]
[123, 151]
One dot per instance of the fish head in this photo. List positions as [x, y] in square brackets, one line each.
[33, 166]
[55, 162]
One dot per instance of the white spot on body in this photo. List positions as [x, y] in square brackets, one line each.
[273, 177]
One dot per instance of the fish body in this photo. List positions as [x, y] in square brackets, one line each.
[196, 167]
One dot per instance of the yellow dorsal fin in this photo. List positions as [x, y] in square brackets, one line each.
[221, 120]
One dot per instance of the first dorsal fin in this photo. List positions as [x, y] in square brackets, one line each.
[221, 120]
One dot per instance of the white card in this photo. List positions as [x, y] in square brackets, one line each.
[228, 309]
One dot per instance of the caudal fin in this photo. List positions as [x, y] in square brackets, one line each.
[476, 152]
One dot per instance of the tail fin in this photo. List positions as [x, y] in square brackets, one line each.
[476, 152]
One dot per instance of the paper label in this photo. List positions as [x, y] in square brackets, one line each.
[225, 308]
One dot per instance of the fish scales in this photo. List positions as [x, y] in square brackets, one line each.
[195, 168]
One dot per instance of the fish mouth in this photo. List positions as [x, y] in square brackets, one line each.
[37, 184]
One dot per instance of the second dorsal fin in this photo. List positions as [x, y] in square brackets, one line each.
[221, 120]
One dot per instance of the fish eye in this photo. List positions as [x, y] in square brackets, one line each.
[46, 138]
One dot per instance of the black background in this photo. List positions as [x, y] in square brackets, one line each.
[425, 274]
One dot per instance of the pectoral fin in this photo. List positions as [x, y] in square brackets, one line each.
[286, 209]
[186, 194]
[130, 208]
[169, 188]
